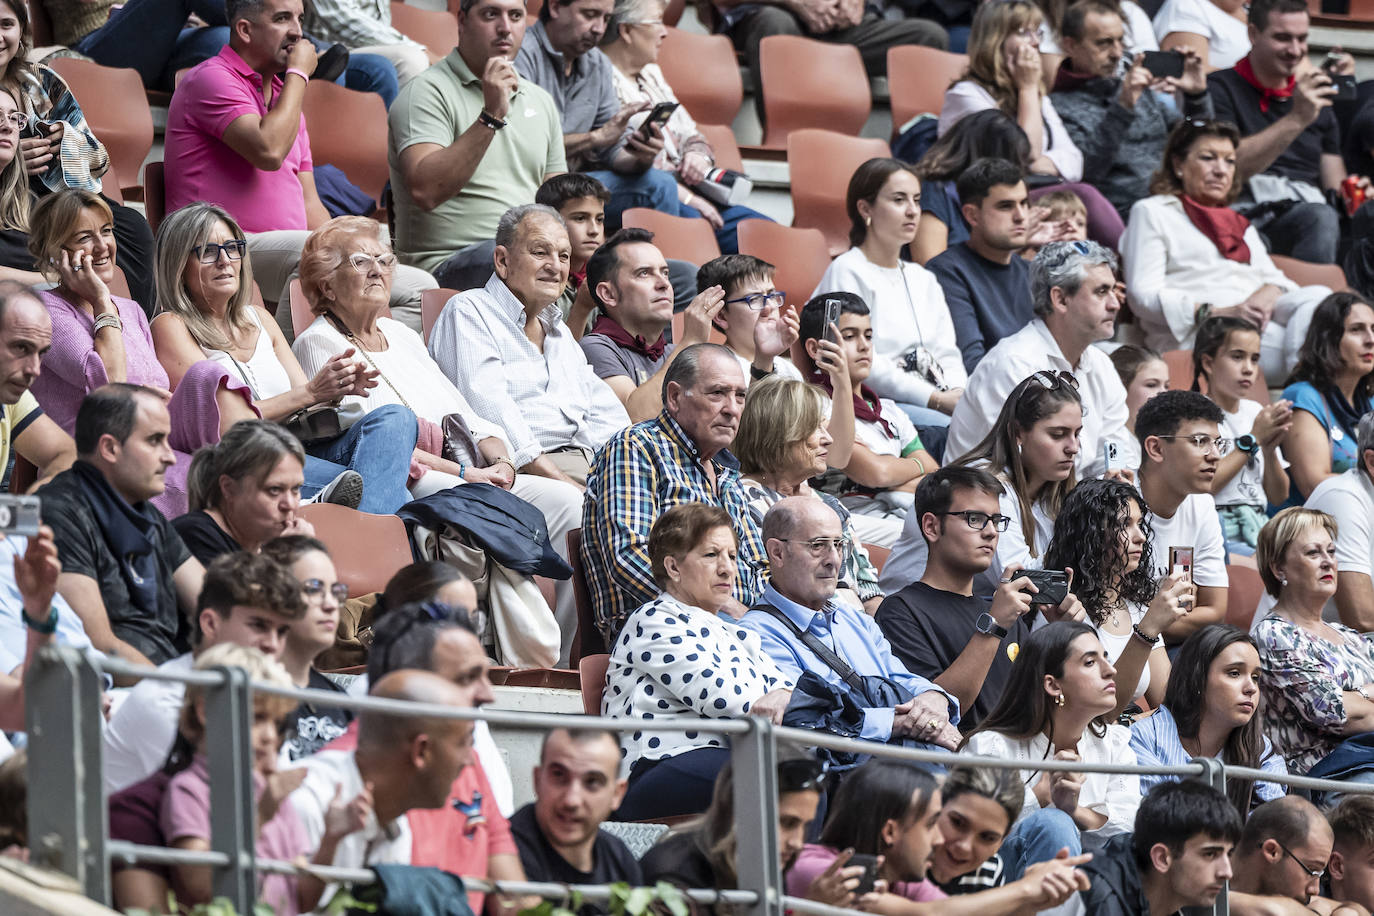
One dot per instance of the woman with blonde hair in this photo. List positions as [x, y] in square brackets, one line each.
[205, 311]
[98, 338]
[783, 441]
[16, 263]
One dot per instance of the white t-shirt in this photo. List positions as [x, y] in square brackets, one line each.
[1228, 39]
[144, 727]
[1195, 525]
[1247, 487]
[878, 441]
[967, 97]
[1349, 499]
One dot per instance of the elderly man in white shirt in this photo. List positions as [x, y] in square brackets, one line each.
[1074, 291]
[507, 349]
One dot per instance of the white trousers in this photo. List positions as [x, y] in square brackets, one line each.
[408, 60]
[1283, 336]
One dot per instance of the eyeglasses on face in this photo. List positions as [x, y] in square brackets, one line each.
[314, 588]
[979, 520]
[821, 546]
[363, 262]
[1204, 443]
[760, 301]
[209, 252]
[18, 119]
[1310, 872]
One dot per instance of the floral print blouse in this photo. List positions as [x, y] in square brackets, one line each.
[1303, 677]
[676, 661]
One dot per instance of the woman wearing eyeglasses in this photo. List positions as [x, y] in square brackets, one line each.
[1102, 533]
[1317, 677]
[1031, 450]
[676, 659]
[99, 338]
[16, 263]
[205, 287]
[1188, 255]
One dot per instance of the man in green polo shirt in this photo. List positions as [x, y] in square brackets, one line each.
[468, 140]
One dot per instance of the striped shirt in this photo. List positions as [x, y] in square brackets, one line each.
[355, 23]
[642, 472]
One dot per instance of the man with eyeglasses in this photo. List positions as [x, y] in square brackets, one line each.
[680, 456]
[757, 329]
[937, 626]
[1074, 290]
[237, 136]
[247, 599]
[1282, 857]
[1179, 436]
[1349, 499]
[802, 629]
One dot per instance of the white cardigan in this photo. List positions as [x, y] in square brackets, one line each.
[1172, 268]
[967, 97]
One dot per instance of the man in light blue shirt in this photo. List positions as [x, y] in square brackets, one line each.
[13, 633]
[804, 541]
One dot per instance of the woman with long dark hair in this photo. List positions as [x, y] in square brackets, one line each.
[1031, 450]
[1331, 387]
[1056, 705]
[1103, 535]
[1212, 709]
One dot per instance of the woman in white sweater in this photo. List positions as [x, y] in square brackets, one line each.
[916, 358]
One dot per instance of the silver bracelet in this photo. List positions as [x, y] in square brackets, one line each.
[108, 320]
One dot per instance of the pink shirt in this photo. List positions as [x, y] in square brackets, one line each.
[208, 100]
[814, 859]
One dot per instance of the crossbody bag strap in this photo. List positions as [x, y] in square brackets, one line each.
[822, 651]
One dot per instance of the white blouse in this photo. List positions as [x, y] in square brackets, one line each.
[675, 661]
[1228, 38]
[967, 97]
[1115, 795]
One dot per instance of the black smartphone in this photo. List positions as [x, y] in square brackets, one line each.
[1346, 90]
[1163, 63]
[1052, 585]
[658, 116]
[832, 319]
[870, 875]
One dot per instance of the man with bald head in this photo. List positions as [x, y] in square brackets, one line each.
[803, 629]
[1281, 860]
[401, 763]
[680, 456]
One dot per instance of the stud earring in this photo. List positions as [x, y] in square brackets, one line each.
[1283, 580]
[1059, 699]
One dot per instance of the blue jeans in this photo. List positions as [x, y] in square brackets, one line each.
[143, 33]
[1038, 838]
[365, 73]
[378, 446]
[653, 188]
[727, 236]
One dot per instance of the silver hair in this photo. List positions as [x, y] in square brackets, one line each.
[686, 366]
[1364, 433]
[629, 12]
[508, 227]
[1063, 265]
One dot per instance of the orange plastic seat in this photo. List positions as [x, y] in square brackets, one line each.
[1305, 273]
[687, 238]
[799, 256]
[810, 83]
[703, 74]
[592, 670]
[878, 555]
[917, 78]
[348, 131]
[1244, 587]
[432, 302]
[820, 163]
[1180, 363]
[117, 110]
[723, 145]
[437, 30]
[367, 549]
[301, 316]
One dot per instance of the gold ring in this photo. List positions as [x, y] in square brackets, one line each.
[933, 723]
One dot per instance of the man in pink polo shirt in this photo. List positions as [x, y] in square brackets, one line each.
[237, 137]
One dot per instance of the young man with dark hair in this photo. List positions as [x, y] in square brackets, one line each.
[125, 571]
[986, 283]
[1292, 140]
[576, 787]
[937, 626]
[627, 348]
[1181, 445]
[1350, 871]
[1179, 855]
[581, 201]
[247, 599]
[756, 327]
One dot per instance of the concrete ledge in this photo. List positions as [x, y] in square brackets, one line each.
[29, 891]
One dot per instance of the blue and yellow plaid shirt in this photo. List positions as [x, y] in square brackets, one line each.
[639, 474]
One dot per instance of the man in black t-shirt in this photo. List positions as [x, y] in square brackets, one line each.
[559, 836]
[936, 625]
[1291, 140]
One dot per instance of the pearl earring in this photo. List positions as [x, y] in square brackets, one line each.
[1059, 699]
[1283, 580]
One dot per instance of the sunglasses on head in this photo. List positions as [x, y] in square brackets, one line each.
[802, 775]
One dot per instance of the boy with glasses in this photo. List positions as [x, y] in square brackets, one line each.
[937, 626]
[756, 327]
[1181, 446]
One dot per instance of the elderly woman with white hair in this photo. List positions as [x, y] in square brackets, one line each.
[633, 37]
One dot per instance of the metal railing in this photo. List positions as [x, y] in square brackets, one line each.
[68, 813]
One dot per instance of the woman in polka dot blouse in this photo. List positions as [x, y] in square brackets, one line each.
[677, 659]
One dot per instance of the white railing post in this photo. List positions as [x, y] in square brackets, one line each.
[229, 750]
[754, 759]
[1214, 774]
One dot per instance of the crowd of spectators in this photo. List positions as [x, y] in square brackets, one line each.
[947, 499]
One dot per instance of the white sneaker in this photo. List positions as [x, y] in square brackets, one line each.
[344, 490]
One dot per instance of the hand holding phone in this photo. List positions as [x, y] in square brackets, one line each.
[657, 117]
[1163, 63]
[870, 875]
[1181, 563]
[832, 320]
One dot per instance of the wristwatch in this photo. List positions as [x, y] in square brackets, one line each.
[1247, 444]
[989, 627]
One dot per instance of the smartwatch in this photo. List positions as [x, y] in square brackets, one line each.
[1247, 444]
[989, 627]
